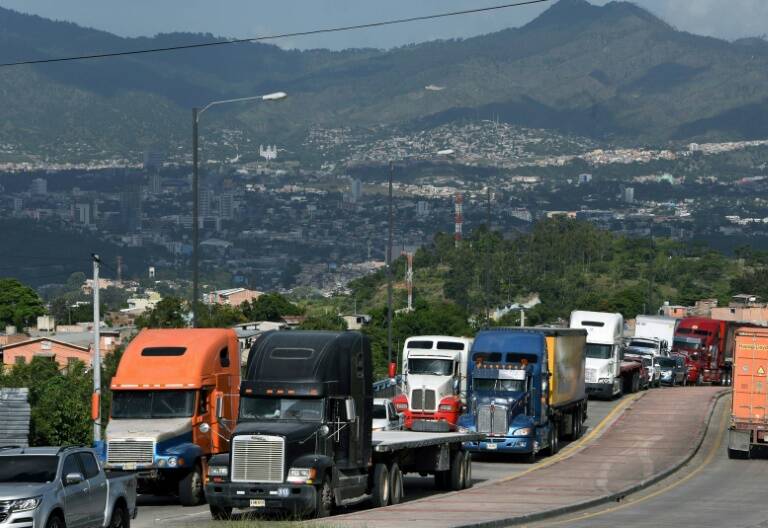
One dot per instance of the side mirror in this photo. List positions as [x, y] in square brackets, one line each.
[219, 406]
[349, 408]
[73, 478]
[456, 385]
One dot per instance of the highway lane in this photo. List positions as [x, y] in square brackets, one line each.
[711, 491]
[160, 511]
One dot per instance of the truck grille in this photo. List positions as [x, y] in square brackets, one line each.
[258, 459]
[492, 419]
[590, 375]
[130, 451]
[423, 400]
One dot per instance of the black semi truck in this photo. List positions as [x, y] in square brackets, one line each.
[303, 443]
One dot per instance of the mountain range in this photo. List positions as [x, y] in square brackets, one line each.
[614, 72]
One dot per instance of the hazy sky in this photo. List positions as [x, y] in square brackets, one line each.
[246, 18]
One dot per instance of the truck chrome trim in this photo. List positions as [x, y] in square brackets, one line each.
[258, 459]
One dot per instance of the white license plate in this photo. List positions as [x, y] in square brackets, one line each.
[258, 503]
[130, 466]
[490, 447]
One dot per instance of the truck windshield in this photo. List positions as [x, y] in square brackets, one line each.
[498, 385]
[153, 404]
[687, 343]
[642, 344]
[599, 351]
[28, 468]
[667, 362]
[436, 367]
[307, 410]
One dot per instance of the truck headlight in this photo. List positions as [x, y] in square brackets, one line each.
[523, 431]
[218, 471]
[401, 406]
[461, 429]
[20, 505]
[173, 461]
[445, 407]
[301, 475]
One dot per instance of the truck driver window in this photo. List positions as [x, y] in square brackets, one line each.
[202, 404]
[310, 410]
[153, 404]
[498, 385]
[224, 357]
[435, 367]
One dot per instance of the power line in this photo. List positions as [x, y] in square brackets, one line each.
[277, 36]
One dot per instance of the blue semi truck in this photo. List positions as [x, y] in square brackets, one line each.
[527, 389]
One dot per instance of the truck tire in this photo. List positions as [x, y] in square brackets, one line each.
[120, 517]
[220, 513]
[635, 383]
[442, 480]
[576, 424]
[467, 470]
[380, 488]
[554, 439]
[395, 484]
[457, 471]
[324, 505]
[191, 491]
[736, 454]
[55, 521]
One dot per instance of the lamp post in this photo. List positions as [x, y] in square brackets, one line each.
[196, 113]
[392, 367]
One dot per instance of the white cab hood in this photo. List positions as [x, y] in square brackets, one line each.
[157, 429]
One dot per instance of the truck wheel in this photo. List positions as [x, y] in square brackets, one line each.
[467, 470]
[395, 484]
[576, 424]
[120, 518]
[442, 480]
[220, 513]
[635, 383]
[380, 491]
[554, 439]
[191, 488]
[457, 471]
[324, 505]
[55, 521]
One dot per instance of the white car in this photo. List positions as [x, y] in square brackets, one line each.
[385, 417]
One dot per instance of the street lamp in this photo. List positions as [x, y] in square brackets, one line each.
[196, 113]
[392, 367]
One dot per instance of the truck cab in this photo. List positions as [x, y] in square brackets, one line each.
[605, 332]
[702, 342]
[174, 404]
[434, 382]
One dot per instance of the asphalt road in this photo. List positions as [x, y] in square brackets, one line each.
[161, 511]
[711, 491]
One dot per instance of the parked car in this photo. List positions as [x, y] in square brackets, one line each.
[385, 417]
[673, 371]
[58, 487]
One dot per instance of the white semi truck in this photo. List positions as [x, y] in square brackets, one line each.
[434, 382]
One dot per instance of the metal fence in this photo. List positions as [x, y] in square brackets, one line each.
[15, 416]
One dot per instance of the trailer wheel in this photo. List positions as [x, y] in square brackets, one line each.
[395, 484]
[576, 424]
[220, 513]
[457, 471]
[467, 470]
[442, 480]
[191, 491]
[380, 491]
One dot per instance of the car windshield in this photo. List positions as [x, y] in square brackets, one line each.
[153, 404]
[437, 367]
[666, 362]
[642, 344]
[599, 351]
[28, 468]
[498, 385]
[379, 412]
[307, 410]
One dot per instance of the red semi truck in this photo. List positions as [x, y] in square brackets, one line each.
[703, 343]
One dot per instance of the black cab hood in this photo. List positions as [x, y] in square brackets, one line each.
[293, 431]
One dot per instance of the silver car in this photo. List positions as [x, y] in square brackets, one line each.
[385, 417]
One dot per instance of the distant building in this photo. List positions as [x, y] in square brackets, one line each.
[153, 160]
[356, 191]
[39, 187]
[584, 178]
[63, 347]
[83, 213]
[629, 195]
[232, 296]
[521, 214]
[269, 153]
[207, 204]
[227, 205]
[130, 209]
[356, 321]
[422, 208]
[155, 182]
[18, 205]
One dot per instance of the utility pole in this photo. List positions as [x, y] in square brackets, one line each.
[195, 220]
[488, 256]
[650, 276]
[96, 360]
[389, 273]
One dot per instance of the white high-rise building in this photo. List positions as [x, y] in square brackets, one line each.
[206, 204]
[39, 186]
[155, 182]
[422, 208]
[83, 213]
[629, 195]
[356, 192]
[227, 205]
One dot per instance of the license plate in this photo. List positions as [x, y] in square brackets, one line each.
[258, 503]
[490, 447]
[130, 466]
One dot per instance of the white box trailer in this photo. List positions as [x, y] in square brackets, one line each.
[657, 327]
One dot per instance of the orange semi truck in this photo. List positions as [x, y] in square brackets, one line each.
[174, 404]
[749, 420]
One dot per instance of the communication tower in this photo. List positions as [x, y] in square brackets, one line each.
[458, 202]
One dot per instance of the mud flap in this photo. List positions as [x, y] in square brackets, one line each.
[739, 440]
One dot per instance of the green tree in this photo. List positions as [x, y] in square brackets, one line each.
[19, 304]
[218, 316]
[168, 313]
[324, 322]
[269, 307]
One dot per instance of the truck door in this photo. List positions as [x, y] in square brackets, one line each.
[97, 488]
[76, 496]
[203, 415]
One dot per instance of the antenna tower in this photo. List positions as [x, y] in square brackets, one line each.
[458, 202]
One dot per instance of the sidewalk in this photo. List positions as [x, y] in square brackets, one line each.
[660, 430]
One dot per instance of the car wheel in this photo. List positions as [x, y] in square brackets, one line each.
[55, 521]
[220, 513]
[191, 491]
[120, 518]
[380, 492]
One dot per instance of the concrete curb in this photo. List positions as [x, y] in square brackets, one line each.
[613, 497]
